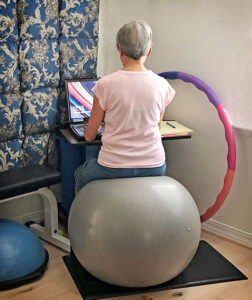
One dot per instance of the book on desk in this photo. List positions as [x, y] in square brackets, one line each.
[174, 129]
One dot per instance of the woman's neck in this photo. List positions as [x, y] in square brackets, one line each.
[130, 64]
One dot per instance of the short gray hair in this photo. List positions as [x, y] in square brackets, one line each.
[134, 39]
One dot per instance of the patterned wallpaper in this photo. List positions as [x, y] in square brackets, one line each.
[42, 43]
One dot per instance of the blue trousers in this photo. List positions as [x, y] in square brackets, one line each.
[91, 170]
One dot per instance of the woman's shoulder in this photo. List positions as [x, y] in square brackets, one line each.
[108, 77]
[159, 79]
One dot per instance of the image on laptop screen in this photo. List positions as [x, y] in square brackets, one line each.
[80, 99]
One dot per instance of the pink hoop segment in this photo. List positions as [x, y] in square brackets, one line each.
[229, 134]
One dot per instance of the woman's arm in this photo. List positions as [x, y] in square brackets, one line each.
[161, 118]
[97, 116]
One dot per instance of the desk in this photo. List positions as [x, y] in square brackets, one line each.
[74, 152]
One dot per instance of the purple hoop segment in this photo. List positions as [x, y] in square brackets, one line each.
[231, 157]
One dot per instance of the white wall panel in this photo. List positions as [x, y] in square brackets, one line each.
[212, 40]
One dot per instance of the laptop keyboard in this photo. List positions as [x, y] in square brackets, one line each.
[79, 129]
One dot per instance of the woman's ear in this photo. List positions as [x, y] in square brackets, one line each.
[149, 53]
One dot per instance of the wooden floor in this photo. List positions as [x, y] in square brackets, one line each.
[58, 284]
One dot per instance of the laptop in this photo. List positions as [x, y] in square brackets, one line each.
[80, 102]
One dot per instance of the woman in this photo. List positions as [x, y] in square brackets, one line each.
[131, 102]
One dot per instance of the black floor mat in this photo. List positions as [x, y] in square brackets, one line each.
[208, 266]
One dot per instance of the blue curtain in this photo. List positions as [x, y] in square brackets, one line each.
[42, 43]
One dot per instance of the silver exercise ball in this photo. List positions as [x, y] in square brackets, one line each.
[134, 232]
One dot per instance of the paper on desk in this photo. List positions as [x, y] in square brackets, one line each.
[177, 131]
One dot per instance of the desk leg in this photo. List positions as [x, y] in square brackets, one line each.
[71, 157]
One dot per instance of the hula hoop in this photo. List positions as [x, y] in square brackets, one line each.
[229, 134]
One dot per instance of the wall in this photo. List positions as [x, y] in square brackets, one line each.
[212, 40]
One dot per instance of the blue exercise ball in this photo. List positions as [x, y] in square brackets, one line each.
[21, 253]
[134, 232]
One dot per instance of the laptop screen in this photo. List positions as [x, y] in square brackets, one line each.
[80, 98]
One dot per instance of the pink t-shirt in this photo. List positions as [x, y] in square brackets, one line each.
[132, 102]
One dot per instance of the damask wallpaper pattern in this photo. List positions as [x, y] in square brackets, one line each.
[78, 38]
[42, 43]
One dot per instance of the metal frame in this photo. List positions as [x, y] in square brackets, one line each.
[48, 232]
